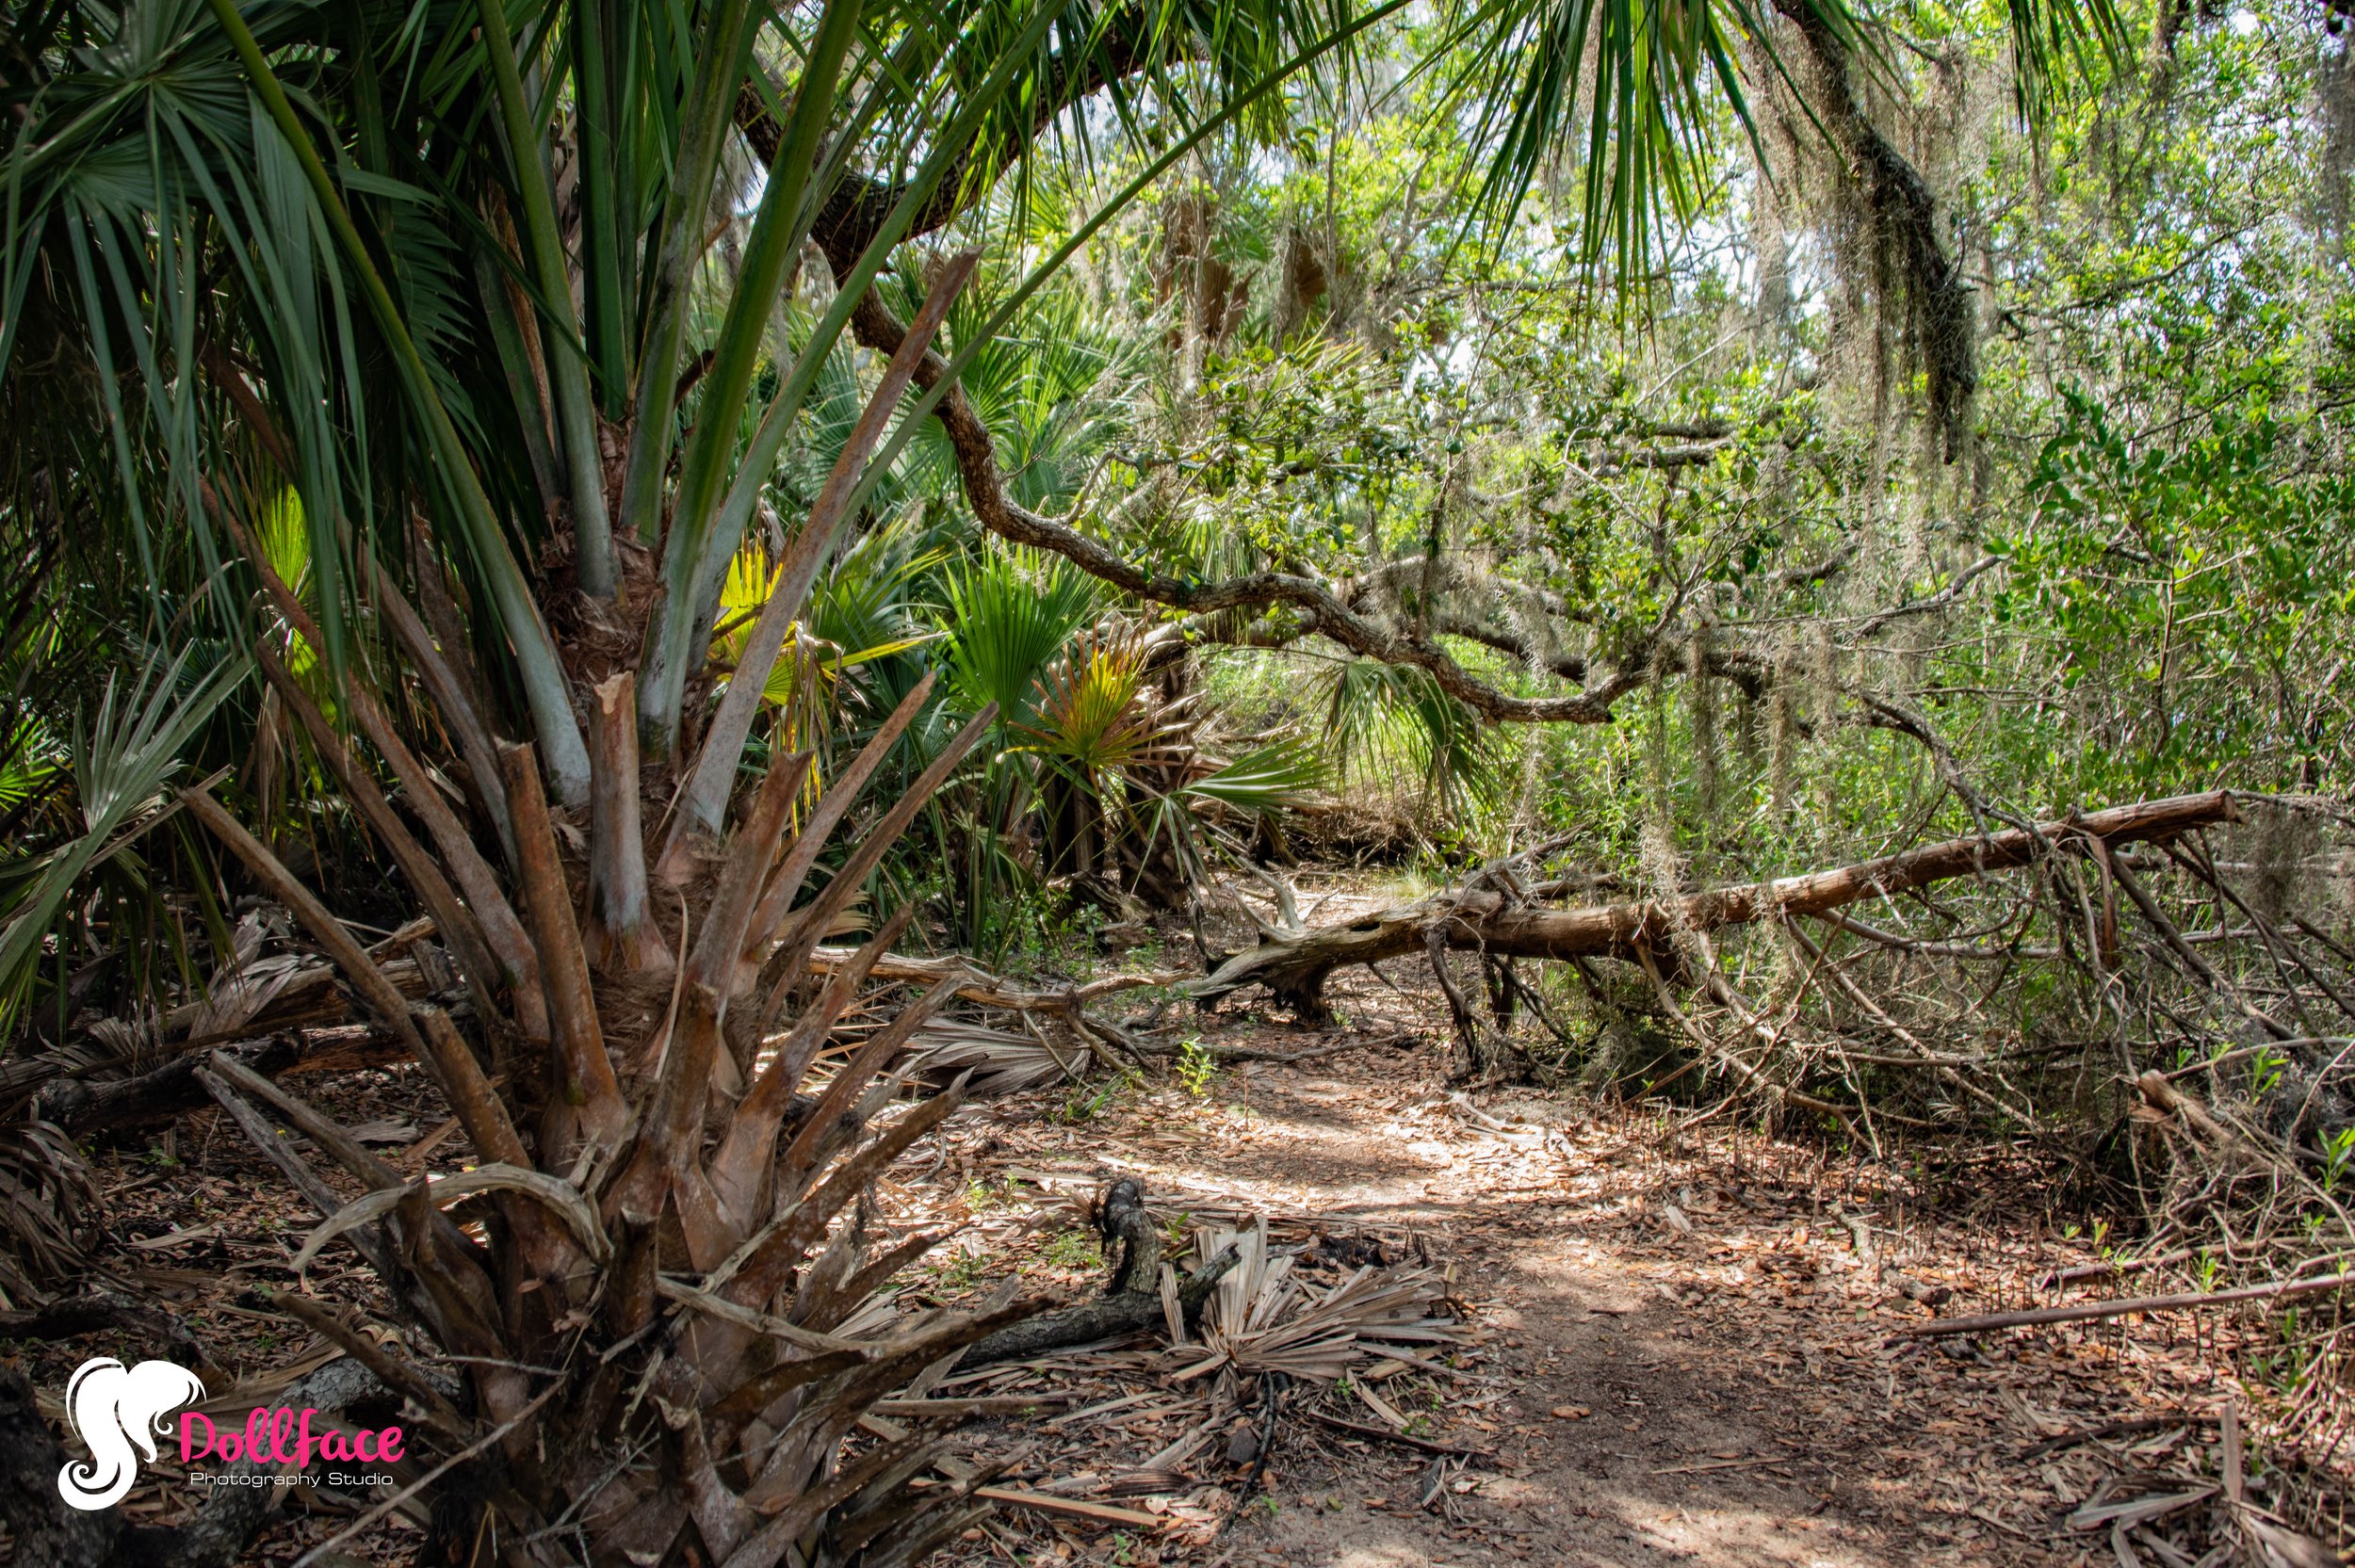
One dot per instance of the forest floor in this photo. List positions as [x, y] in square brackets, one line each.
[1677, 1330]
[1679, 1355]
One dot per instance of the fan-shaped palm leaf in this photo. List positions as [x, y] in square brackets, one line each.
[121, 760]
[1004, 620]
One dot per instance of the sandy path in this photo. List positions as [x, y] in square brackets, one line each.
[1694, 1309]
[1578, 1327]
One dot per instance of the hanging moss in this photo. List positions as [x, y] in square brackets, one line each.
[2334, 98]
[1703, 698]
[1896, 226]
[1779, 741]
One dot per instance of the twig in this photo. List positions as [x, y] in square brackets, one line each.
[2058, 1277]
[1384, 1434]
[1750, 1077]
[987, 1404]
[1874, 1011]
[2085, 1311]
[1049, 1503]
[390, 1370]
[1725, 1464]
[2114, 1428]
[989, 990]
[1271, 1407]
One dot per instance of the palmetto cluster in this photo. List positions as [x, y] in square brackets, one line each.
[649, 1269]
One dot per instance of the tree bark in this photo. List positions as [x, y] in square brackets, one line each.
[1105, 1318]
[1294, 967]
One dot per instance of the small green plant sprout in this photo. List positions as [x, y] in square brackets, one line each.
[2336, 1154]
[1196, 1068]
[982, 1194]
[1086, 1102]
[961, 1273]
[1074, 1251]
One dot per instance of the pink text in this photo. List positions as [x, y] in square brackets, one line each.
[283, 1436]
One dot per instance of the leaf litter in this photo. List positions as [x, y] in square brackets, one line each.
[1499, 1327]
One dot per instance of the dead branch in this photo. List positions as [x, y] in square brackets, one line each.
[1108, 1317]
[1294, 965]
[2087, 1311]
[988, 990]
[82, 1107]
[105, 1309]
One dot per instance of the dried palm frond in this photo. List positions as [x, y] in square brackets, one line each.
[244, 984]
[1263, 1317]
[1001, 1062]
[48, 1203]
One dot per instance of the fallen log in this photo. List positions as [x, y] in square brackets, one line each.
[82, 1105]
[1293, 965]
[988, 990]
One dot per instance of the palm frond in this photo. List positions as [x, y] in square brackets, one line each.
[120, 759]
[1262, 1316]
[1092, 711]
[1380, 716]
[1284, 773]
[1005, 619]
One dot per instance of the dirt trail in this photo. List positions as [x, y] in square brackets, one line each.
[1684, 1355]
[1581, 1328]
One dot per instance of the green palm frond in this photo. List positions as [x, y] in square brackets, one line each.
[872, 596]
[1381, 716]
[1631, 95]
[1092, 712]
[1005, 618]
[1057, 388]
[30, 759]
[1621, 88]
[120, 758]
[1281, 774]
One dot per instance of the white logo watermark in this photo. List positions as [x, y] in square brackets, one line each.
[114, 1409]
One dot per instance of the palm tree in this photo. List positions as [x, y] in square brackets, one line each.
[492, 292]
[260, 242]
